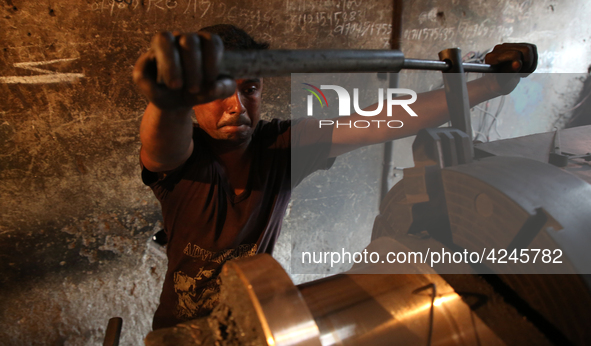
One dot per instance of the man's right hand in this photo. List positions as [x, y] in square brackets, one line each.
[181, 71]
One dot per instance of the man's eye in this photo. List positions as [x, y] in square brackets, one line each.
[249, 90]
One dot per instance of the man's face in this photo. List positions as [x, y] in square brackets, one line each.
[234, 118]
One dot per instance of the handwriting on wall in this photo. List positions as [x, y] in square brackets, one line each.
[433, 25]
[353, 18]
[463, 29]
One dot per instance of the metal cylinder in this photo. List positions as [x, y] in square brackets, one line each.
[350, 309]
[404, 309]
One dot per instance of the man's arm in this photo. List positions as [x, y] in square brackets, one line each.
[177, 73]
[166, 138]
[516, 60]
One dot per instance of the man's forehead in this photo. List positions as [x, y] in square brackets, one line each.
[248, 81]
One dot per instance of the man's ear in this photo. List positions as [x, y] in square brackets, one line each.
[194, 117]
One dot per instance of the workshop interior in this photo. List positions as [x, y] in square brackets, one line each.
[82, 247]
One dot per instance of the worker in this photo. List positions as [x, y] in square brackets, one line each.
[224, 182]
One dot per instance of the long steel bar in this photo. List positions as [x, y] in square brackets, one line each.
[270, 63]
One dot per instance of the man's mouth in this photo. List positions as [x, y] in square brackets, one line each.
[235, 122]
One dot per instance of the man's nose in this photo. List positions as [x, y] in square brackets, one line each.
[234, 104]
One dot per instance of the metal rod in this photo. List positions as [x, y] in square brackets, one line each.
[393, 81]
[456, 92]
[436, 65]
[273, 63]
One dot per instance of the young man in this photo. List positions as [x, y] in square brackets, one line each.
[225, 182]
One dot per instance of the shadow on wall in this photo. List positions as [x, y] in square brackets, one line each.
[582, 109]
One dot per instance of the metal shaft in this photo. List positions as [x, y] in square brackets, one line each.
[456, 91]
[273, 63]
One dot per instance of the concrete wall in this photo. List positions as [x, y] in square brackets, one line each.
[76, 220]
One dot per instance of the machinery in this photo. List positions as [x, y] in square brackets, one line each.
[528, 192]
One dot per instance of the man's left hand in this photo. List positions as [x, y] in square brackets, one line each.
[514, 60]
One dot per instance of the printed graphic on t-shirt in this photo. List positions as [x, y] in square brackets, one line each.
[243, 250]
[198, 295]
[191, 299]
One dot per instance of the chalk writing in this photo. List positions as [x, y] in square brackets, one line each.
[327, 18]
[363, 29]
[484, 29]
[515, 11]
[46, 77]
[315, 5]
[463, 29]
[112, 5]
[334, 17]
[428, 16]
[204, 6]
[546, 60]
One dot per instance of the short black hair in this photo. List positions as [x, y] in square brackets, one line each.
[234, 38]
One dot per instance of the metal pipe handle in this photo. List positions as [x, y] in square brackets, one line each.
[274, 63]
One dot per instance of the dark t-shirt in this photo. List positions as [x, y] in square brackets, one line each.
[207, 224]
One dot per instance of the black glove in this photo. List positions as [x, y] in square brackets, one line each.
[514, 61]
